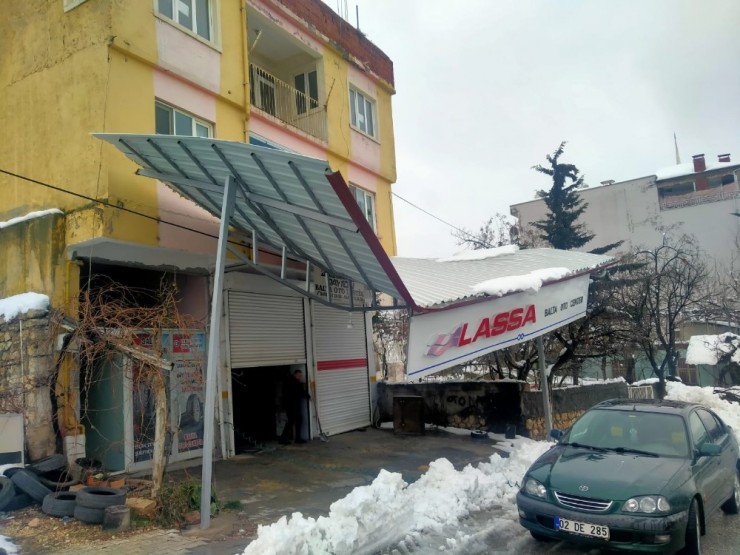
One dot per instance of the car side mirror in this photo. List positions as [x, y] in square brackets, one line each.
[556, 434]
[710, 450]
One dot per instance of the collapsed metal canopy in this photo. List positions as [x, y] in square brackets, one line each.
[283, 200]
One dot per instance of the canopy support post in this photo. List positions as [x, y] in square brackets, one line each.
[543, 386]
[214, 343]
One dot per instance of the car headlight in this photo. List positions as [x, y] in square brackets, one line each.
[647, 504]
[534, 488]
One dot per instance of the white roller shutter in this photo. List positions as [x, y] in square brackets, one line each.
[342, 386]
[265, 330]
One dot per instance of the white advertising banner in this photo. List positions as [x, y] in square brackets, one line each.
[446, 338]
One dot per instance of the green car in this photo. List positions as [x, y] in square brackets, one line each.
[634, 475]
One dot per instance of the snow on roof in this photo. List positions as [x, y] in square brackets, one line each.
[532, 281]
[10, 307]
[432, 282]
[30, 216]
[480, 254]
[688, 169]
[707, 349]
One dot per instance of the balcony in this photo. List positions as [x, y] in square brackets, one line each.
[286, 103]
[715, 194]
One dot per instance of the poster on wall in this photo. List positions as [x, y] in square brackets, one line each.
[143, 405]
[338, 288]
[187, 351]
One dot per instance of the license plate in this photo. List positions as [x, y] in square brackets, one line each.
[582, 528]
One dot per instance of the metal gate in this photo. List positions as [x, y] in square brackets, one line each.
[265, 330]
[342, 385]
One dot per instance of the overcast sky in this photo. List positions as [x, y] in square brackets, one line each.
[486, 88]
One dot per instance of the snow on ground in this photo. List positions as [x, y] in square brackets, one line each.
[30, 216]
[7, 545]
[706, 349]
[389, 514]
[528, 282]
[10, 307]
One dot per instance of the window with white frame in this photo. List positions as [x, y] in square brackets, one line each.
[362, 113]
[366, 200]
[171, 121]
[307, 95]
[194, 15]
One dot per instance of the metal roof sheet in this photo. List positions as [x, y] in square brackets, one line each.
[435, 283]
[286, 199]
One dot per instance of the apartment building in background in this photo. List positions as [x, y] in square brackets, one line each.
[278, 74]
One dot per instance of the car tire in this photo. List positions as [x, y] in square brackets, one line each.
[100, 498]
[540, 537]
[58, 480]
[20, 501]
[732, 505]
[48, 464]
[60, 504]
[29, 483]
[11, 470]
[88, 515]
[7, 491]
[692, 543]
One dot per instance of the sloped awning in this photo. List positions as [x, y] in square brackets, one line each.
[283, 200]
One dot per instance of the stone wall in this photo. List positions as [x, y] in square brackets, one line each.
[567, 405]
[26, 373]
[496, 406]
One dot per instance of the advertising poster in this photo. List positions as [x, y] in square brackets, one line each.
[143, 406]
[188, 388]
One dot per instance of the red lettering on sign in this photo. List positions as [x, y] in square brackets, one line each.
[483, 330]
[496, 325]
[463, 340]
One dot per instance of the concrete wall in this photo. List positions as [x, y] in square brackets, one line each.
[26, 373]
[493, 406]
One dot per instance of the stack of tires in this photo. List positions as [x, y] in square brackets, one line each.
[21, 487]
[92, 502]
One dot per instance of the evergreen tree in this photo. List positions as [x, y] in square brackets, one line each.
[559, 228]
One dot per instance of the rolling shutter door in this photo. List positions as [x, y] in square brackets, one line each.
[265, 330]
[342, 386]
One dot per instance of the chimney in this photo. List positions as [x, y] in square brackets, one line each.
[700, 164]
[724, 157]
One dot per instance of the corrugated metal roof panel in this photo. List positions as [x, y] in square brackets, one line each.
[433, 282]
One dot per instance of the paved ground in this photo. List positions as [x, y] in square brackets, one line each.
[280, 480]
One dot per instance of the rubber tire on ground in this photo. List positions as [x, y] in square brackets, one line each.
[100, 498]
[11, 470]
[478, 434]
[732, 505]
[7, 491]
[47, 464]
[60, 504]
[20, 501]
[62, 482]
[693, 532]
[88, 515]
[540, 537]
[29, 483]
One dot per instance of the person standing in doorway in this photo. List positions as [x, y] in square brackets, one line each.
[294, 395]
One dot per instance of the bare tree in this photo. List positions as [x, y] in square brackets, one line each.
[497, 231]
[667, 288]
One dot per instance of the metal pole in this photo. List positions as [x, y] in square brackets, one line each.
[545, 389]
[213, 346]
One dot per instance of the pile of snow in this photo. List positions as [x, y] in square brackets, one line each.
[727, 411]
[480, 254]
[532, 281]
[688, 169]
[389, 510]
[707, 349]
[10, 307]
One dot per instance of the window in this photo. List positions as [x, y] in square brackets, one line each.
[711, 424]
[699, 433]
[170, 121]
[366, 200]
[194, 15]
[307, 95]
[362, 112]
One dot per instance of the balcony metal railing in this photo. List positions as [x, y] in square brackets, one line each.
[278, 99]
[716, 194]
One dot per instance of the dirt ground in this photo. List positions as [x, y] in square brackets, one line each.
[37, 533]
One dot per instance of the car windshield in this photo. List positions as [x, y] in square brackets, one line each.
[631, 431]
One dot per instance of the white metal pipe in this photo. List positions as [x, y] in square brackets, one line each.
[543, 386]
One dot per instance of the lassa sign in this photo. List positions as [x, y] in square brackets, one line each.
[487, 328]
[446, 338]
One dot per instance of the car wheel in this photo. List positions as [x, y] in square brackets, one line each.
[732, 505]
[692, 545]
[29, 483]
[540, 537]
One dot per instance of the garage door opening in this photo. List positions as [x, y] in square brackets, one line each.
[259, 416]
